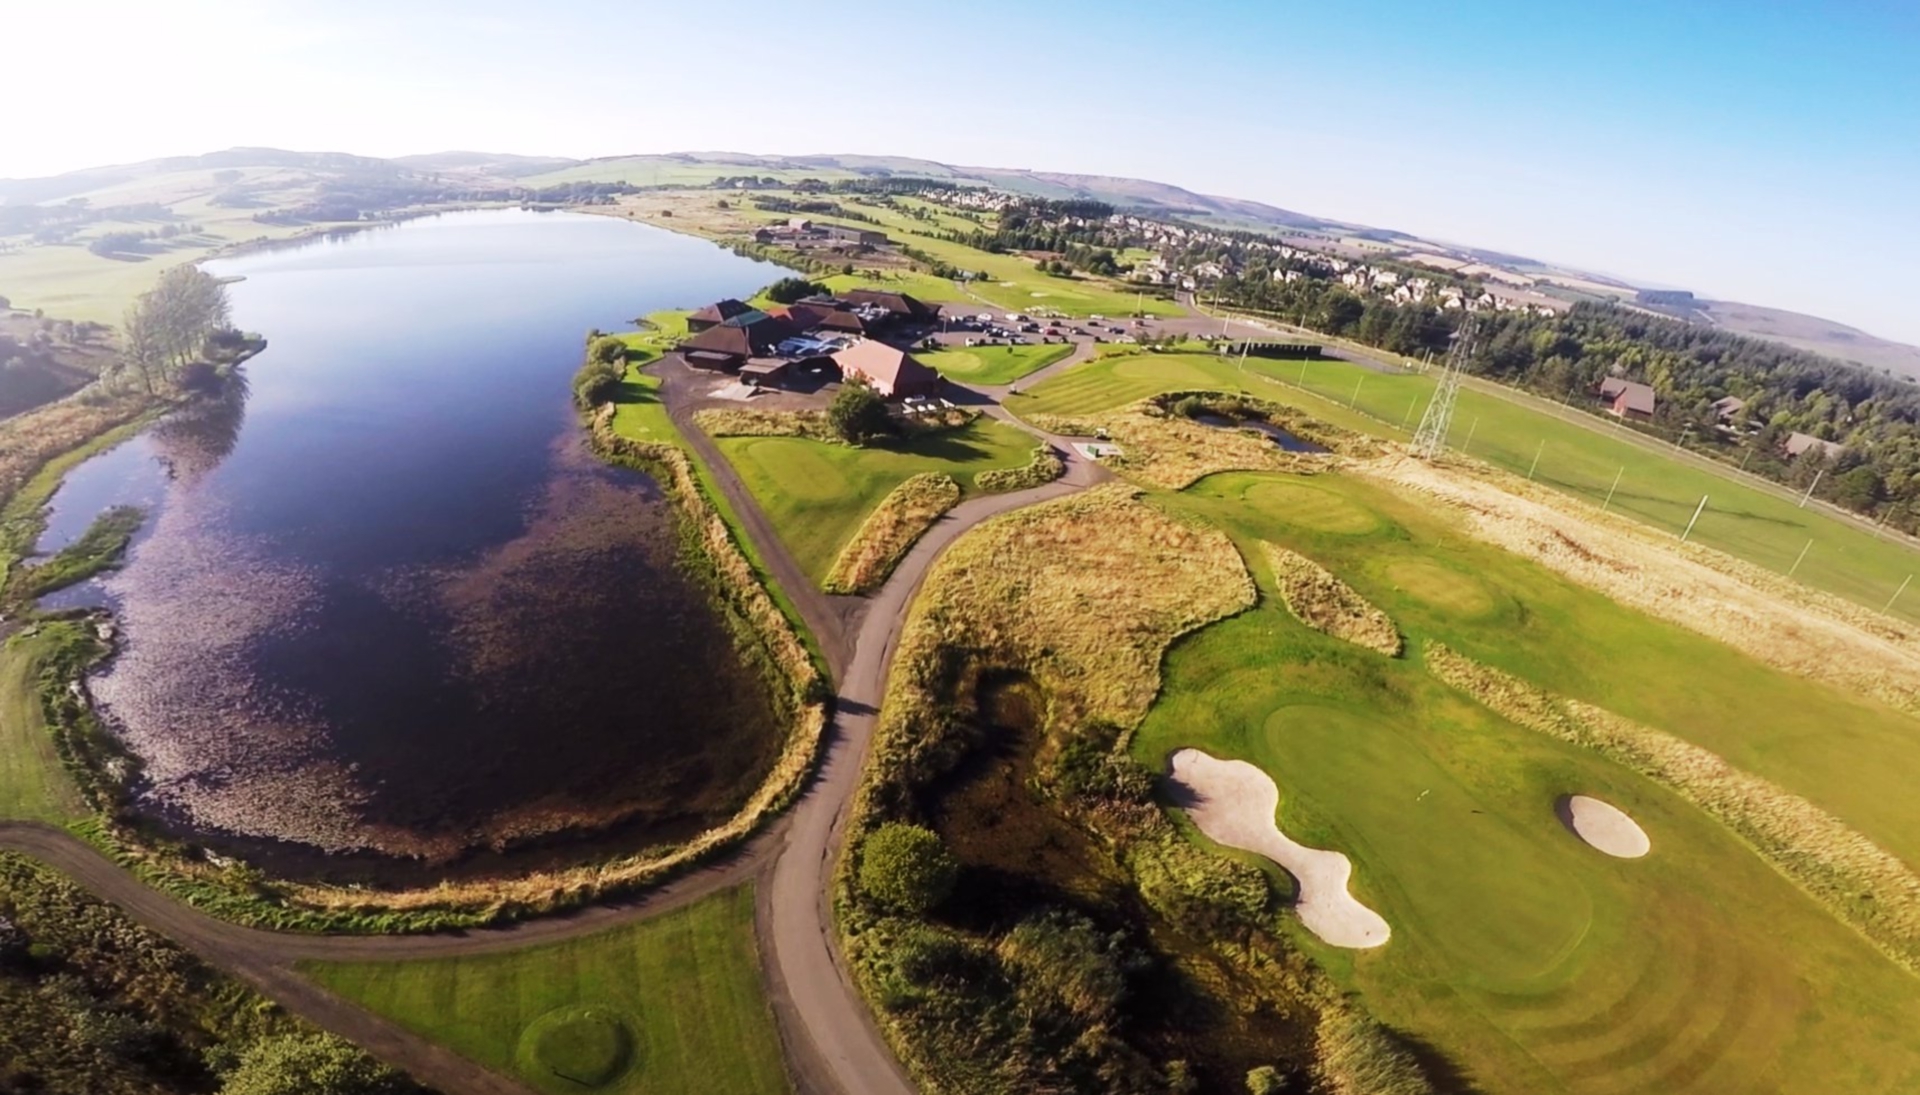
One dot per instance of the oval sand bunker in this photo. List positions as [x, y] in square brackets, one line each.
[1604, 826]
[1235, 803]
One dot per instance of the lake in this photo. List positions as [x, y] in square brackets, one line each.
[388, 617]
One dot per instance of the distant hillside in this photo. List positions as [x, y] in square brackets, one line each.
[1821, 336]
[497, 165]
[59, 187]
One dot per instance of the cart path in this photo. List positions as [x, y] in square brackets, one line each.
[831, 1041]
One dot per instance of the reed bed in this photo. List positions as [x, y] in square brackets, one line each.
[1330, 606]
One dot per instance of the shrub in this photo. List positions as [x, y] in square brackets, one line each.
[1044, 468]
[906, 868]
[858, 414]
[1266, 1080]
[310, 1064]
[1060, 961]
[788, 290]
[607, 350]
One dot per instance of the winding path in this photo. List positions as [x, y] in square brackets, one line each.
[832, 1044]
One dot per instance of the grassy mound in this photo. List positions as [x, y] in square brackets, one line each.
[1329, 605]
[588, 1046]
[890, 530]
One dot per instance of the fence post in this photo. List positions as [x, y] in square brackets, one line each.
[1696, 516]
[1802, 558]
[1536, 459]
[1615, 487]
[1896, 594]
[1355, 401]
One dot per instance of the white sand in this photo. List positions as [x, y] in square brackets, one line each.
[1235, 803]
[1605, 826]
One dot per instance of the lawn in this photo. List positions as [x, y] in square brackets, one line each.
[993, 364]
[1749, 522]
[33, 785]
[1532, 961]
[672, 1004]
[816, 494]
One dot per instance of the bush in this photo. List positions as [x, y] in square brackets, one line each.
[906, 868]
[1266, 1080]
[310, 1064]
[858, 414]
[607, 350]
[788, 290]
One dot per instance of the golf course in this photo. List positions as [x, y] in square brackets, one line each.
[1540, 963]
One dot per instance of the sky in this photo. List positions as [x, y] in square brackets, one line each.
[1764, 152]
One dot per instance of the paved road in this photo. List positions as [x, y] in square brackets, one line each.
[831, 1041]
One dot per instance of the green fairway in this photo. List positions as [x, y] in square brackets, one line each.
[816, 494]
[993, 364]
[1534, 962]
[924, 287]
[1656, 486]
[669, 1005]
[33, 784]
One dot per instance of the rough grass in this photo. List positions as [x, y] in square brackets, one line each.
[1704, 590]
[1044, 468]
[1860, 882]
[684, 985]
[99, 549]
[892, 528]
[1328, 605]
[744, 422]
[1163, 449]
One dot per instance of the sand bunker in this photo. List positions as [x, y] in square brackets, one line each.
[1604, 826]
[1235, 803]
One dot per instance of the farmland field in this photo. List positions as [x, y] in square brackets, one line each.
[33, 784]
[1531, 960]
[669, 1005]
[817, 494]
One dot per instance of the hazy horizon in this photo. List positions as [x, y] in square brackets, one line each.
[1763, 156]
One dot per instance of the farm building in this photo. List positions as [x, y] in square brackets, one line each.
[895, 374]
[856, 235]
[1627, 398]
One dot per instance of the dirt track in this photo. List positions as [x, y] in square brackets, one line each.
[830, 1039]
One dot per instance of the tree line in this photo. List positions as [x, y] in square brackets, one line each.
[173, 330]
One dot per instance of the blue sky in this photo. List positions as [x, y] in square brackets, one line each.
[1766, 152]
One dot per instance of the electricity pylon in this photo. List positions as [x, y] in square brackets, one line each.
[1431, 438]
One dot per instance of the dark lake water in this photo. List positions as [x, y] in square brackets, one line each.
[1280, 437]
[386, 609]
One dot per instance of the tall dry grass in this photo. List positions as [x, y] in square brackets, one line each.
[1858, 881]
[1045, 467]
[745, 422]
[1761, 614]
[1162, 448]
[890, 530]
[1327, 604]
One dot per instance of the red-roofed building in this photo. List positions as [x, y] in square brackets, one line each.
[730, 344]
[895, 374]
[1627, 398]
[713, 315]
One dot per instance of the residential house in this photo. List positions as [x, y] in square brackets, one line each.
[1798, 443]
[1627, 398]
[893, 373]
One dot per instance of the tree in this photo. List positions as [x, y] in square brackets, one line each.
[788, 290]
[858, 414]
[607, 350]
[311, 1064]
[906, 868]
[1266, 1080]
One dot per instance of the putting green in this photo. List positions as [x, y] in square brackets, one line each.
[586, 1046]
[1451, 591]
[1301, 503]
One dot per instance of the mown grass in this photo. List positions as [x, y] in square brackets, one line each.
[685, 985]
[817, 494]
[1533, 961]
[1750, 522]
[993, 365]
[34, 786]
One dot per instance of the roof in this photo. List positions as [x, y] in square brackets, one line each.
[1631, 395]
[720, 311]
[763, 366]
[1798, 443]
[807, 315]
[741, 339]
[1729, 406]
[900, 304]
[888, 369]
[746, 318]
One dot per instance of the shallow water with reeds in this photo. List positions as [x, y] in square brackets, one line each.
[387, 616]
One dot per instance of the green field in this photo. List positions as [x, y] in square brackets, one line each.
[924, 287]
[816, 494]
[1657, 486]
[1534, 962]
[670, 1005]
[993, 365]
[33, 785]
